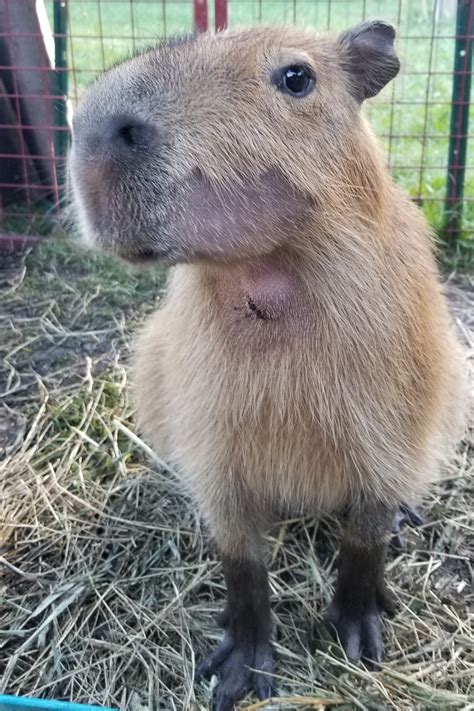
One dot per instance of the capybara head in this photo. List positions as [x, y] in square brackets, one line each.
[221, 147]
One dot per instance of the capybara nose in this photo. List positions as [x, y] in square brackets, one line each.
[118, 136]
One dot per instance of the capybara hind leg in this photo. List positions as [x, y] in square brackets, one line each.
[406, 515]
[354, 616]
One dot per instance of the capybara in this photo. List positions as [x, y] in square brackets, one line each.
[303, 359]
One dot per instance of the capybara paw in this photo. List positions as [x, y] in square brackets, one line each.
[358, 631]
[240, 669]
[405, 516]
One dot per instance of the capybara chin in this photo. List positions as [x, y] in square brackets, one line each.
[303, 359]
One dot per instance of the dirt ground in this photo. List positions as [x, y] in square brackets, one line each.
[109, 590]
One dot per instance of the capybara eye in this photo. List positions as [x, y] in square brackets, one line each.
[296, 80]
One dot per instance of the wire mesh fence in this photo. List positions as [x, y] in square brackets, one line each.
[50, 50]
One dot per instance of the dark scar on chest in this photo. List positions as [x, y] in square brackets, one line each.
[255, 310]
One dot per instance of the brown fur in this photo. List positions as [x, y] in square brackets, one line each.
[304, 357]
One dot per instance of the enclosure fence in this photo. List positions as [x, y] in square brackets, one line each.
[50, 50]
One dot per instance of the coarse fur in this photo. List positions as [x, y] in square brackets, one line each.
[353, 395]
[304, 358]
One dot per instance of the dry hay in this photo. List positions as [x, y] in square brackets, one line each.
[109, 591]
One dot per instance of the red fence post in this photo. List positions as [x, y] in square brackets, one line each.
[220, 14]
[27, 101]
[200, 15]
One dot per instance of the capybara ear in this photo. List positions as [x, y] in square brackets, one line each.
[368, 55]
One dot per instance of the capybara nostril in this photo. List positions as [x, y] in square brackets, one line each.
[116, 135]
[130, 135]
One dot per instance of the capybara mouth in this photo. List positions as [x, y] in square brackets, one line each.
[214, 223]
[145, 256]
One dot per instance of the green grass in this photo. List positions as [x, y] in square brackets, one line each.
[411, 116]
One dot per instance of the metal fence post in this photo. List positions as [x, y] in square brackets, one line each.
[200, 16]
[61, 136]
[221, 14]
[459, 126]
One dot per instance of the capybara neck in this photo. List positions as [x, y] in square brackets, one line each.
[265, 289]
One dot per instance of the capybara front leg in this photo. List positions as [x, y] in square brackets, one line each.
[243, 660]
